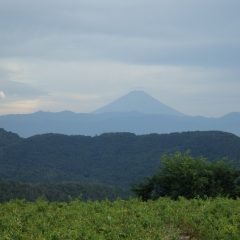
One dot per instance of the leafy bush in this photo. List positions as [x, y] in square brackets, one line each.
[183, 175]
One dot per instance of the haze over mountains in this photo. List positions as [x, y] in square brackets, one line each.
[136, 112]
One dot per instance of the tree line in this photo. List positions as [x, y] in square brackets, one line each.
[61, 192]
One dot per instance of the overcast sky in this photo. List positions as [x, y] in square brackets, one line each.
[81, 54]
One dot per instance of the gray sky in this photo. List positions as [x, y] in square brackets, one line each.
[81, 54]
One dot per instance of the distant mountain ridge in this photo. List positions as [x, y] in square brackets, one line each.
[94, 124]
[137, 112]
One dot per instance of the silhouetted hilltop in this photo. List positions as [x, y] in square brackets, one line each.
[8, 138]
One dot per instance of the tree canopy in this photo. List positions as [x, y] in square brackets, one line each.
[181, 174]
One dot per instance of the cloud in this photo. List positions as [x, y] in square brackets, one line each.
[20, 106]
[17, 97]
[19, 91]
[136, 32]
[2, 95]
[86, 53]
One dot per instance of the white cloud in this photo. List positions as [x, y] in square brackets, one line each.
[2, 95]
[21, 106]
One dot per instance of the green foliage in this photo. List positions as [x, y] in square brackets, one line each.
[165, 219]
[183, 175]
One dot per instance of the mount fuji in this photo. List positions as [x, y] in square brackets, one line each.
[138, 101]
[136, 112]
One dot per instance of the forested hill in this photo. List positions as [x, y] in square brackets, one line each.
[57, 192]
[118, 159]
[8, 138]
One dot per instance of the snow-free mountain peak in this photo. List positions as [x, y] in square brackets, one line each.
[138, 101]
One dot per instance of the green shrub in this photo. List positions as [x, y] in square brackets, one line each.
[183, 175]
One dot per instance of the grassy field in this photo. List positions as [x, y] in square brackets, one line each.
[132, 219]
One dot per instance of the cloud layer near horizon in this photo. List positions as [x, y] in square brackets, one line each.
[78, 55]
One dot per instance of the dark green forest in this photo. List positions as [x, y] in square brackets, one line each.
[116, 159]
[62, 192]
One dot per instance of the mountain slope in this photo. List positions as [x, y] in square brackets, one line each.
[119, 159]
[8, 138]
[138, 101]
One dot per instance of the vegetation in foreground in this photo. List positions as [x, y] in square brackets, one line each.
[199, 217]
[132, 219]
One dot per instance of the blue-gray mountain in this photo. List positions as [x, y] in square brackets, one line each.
[138, 101]
[136, 112]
